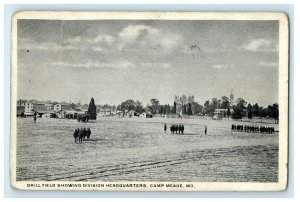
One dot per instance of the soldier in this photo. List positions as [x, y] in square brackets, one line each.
[84, 133]
[89, 132]
[34, 117]
[165, 128]
[205, 130]
[182, 128]
[76, 134]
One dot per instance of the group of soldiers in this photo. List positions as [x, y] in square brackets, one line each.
[83, 118]
[174, 128]
[252, 129]
[82, 133]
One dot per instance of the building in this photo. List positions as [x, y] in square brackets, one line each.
[221, 113]
[49, 106]
[20, 111]
[146, 115]
[61, 106]
[131, 114]
[105, 112]
[32, 108]
[48, 115]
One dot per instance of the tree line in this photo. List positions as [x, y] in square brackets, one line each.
[240, 109]
[186, 105]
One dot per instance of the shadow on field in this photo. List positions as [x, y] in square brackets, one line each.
[93, 140]
[187, 134]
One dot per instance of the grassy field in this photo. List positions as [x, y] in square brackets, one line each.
[124, 149]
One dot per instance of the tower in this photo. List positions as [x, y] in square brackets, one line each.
[231, 98]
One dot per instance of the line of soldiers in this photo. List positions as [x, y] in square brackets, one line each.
[83, 118]
[82, 133]
[252, 129]
[177, 128]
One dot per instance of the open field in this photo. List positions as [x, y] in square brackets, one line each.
[123, 149]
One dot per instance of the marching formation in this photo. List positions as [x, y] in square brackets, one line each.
[252, 129]
[83, 118]
[81, 134]
[175, 127]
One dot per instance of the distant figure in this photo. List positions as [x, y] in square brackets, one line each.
[76, 134]
[182, 128]
[34, 117]
[205, 130]
[165, 128]
[172, 129]
[88, 133]
[84, 133]
[176, 128]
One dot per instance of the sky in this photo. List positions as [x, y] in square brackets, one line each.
[116, 60]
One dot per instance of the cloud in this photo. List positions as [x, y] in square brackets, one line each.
[52, 46]
[108, 39]
[262, 45]
[92, 65]
[132, 36]
[218, 66]
[146, 36]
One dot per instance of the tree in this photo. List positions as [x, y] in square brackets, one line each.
[239, 109]
[184, 109]
[197, 108]
[92, 111]
[207, 107]
[191, 99]
[237, 113]
[166, 109]
[273, 112]
[255, 110]
[249, 111]
[241, 103]
[225, 102]
[174, 110]
[139, 107]
[154, 104]
[127, 105]
[228, 113]
[161, 109]
[183, 99]
[189, 109]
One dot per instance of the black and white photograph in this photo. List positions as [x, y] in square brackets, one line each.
[149, 101]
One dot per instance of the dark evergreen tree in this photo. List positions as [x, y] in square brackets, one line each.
[92, 111]
[255, 110]
[174, 110]
[161, 109]
[237, 113]
[228, 113]
[189, 109]
[168, 109]
[184, 109]
[249, 111]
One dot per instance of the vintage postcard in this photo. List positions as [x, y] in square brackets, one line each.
[149, 101]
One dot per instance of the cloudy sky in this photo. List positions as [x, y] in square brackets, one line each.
[113, 60]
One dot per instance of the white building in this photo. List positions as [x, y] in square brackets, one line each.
[34, 106]
[146, 115]
[61, 106]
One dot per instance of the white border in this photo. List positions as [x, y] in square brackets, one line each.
[204, 186]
